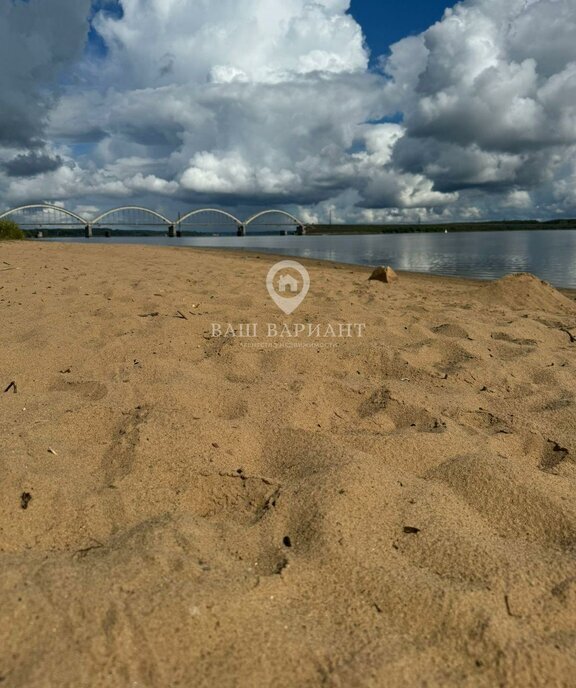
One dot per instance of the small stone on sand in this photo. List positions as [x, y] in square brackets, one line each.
[384, 274]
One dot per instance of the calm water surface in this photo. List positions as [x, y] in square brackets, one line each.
[549, 254]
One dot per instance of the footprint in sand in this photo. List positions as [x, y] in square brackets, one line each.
[516, 503]
[234, 409]
[451, 330]
[118, 460]
[505, 337]
[554, 458]
[230, 497]
[507, 348]
[482, 420]
[564, 402]
[402, 415]
[89, 390]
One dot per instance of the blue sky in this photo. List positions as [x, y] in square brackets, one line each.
[95, 43]
[385, 23]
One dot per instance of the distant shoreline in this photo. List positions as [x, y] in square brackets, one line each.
[497, 226]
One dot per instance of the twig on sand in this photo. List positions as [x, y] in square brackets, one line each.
[181, 315]
[508, 608]
[12, 386]
[84, 551]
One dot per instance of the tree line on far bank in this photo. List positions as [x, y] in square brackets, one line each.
[10, 230]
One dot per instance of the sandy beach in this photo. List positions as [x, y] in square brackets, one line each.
[378, 511]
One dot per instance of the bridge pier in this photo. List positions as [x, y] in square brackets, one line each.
[171, 231]
[88, 231]
[241, 231]
[300, 230]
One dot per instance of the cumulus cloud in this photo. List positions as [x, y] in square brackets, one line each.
[37, 41]
[267, 102]
[263, 41]
[241, 105]
[31, 164]
[489, 98]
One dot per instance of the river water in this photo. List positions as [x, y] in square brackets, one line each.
[549, 254]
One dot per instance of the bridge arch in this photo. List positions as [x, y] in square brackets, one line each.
[172, 225]
[182, 219]
[295, 220]
[44, 206]
[158, 216]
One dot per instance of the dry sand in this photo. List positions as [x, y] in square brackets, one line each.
[397, 510]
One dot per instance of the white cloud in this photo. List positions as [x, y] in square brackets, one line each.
[517, 199]
[270, 102]
[489, 99]
[231, 174]
[37, 41]
[261, 41]
[246, 104]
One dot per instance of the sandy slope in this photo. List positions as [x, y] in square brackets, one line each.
[397, 510]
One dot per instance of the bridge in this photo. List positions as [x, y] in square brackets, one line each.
[37, 216]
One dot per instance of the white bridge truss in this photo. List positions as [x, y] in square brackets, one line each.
[45, 215]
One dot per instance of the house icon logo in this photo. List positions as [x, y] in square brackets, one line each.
[286, 291]
[288, 283]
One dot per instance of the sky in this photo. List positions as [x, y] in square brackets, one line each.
[361, 111]
[386, 23]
